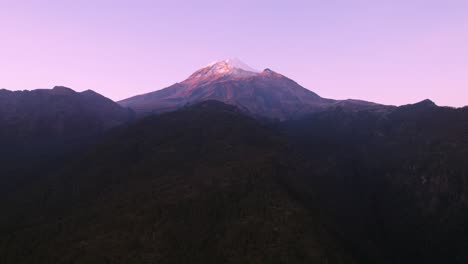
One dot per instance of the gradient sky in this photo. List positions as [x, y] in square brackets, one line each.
[392, 52]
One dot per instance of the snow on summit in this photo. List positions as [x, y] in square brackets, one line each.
[231, 67]
[230, 64]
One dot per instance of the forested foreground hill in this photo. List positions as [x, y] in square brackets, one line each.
[199, 185]
[208, 184]
[395, 184]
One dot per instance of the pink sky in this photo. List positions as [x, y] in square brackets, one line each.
[392, 52]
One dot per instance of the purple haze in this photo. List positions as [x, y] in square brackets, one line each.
[392, 52]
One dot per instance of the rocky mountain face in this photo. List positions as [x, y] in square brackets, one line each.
[262, 94]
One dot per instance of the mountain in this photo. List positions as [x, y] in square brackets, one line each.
[264, 94]
[199, 185]
[39, 126]
[394, 184]
[56, 113]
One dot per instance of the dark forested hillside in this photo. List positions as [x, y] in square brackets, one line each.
[395, 184]
[38, 127]
[200, 185]
[209, 184]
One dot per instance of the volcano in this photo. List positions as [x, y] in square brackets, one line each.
[261, 93]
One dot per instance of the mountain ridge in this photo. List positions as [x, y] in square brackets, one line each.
[40, 126]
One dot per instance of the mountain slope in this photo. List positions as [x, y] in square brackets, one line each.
[199, 185]
[38, 127]
[394, 184]
[58, 112]
[265, 94]
[208, 184]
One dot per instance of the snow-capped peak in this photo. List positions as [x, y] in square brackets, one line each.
[222, 68]
[230, 64]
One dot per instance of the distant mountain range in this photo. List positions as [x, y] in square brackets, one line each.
[265, 94]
